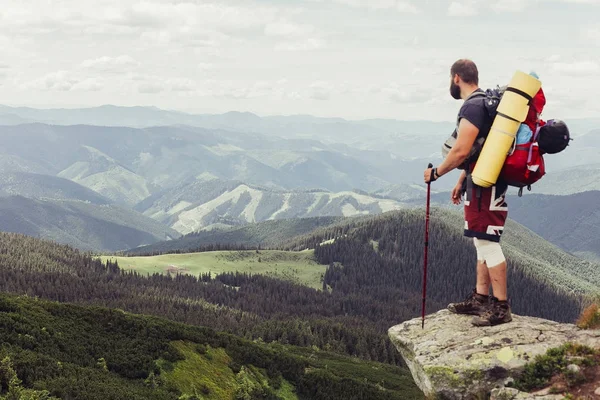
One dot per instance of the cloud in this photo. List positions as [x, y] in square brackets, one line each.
[320, 90]
[403, 94]
[287, 29]
[373, 4]
[406, 7]
[398, 5]
[233, 90]
[301, 45]
[582, 1]
[4, 66]
[509, 5]
[577, 68]
[63, 81]
[211, 16]
[88, 85]
[181, 85]
[59, 81]
[294, 37]
[174, 19]
[194, 37]
[151, 84]
[151, 87]
[591, 34]
[110, 64]
[466, 9]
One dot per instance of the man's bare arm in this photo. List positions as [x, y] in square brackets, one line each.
[467, 133]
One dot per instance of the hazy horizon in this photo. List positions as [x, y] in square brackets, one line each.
[261, 115]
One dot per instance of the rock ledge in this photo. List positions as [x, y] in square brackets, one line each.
[451, 359]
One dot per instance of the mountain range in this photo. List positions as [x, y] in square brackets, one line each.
[127, 164]
[187, 172]
[211, 203]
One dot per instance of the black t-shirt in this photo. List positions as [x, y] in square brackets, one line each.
[474, 111]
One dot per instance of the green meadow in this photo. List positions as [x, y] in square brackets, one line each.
[297, 267]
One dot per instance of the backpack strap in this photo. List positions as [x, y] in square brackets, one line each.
[520, 93]
[533, 141]
[472, 185]
[475, 94]
[537, 132]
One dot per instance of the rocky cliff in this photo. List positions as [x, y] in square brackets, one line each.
[451, 359]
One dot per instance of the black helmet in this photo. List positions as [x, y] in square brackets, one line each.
[554, 137]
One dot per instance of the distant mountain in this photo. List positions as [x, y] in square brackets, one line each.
[571, 222]
[571, 180]
[85, 225]
[106, 176]
[405, 139]
[38, 186]
[64, 211]
[582, 151]
[402, 192]
[143, 117]
[13, 163]
[11, 119]
[213, 203]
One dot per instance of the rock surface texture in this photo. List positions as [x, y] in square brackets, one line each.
[451, 359]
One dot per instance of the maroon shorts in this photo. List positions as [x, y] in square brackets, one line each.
[485, 211]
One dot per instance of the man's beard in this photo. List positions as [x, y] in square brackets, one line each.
[455, 91]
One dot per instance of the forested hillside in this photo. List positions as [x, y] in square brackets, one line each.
[51, 350]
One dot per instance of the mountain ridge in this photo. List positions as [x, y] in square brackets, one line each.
[86, 226]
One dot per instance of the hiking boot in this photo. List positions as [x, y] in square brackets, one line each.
[498, 312]
[474, 304]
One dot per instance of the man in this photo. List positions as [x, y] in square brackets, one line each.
[485, 208]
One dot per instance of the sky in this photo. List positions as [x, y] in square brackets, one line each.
[353, 59]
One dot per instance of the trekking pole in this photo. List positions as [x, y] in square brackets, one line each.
[426, 248]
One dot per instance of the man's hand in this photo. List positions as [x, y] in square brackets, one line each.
[428, 174]
[456, 194]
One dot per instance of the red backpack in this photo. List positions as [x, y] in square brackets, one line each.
[525, 164]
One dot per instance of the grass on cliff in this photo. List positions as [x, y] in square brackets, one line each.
[571, 369]
[553, 367]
